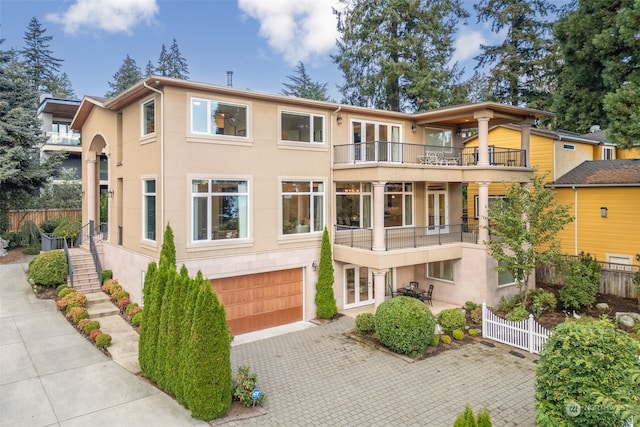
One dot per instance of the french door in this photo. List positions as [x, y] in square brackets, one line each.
[437, 212]
[358, 286]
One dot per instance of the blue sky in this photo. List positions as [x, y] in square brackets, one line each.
[261, 41]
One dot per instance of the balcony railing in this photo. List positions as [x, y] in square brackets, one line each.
[407, 237]
[419, 154]
[63, 138]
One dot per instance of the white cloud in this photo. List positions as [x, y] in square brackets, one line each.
[467, 45]
[297, 29]
[112, 16]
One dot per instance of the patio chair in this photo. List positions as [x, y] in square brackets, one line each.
[426, 297]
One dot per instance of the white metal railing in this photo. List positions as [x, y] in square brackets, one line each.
[525, 334]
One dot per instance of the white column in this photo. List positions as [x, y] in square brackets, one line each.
[378, 216]
[483, 212]
[483, 117]
[91, 189]
[525, 140]
[379, 284]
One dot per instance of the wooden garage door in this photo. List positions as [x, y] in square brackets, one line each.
[259, 301]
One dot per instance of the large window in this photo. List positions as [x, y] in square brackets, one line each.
[437, 137]
[149, 209]
[492, 201]
[218, 118]
[302, 207]
[375, 142]
[442, 270]
[301, 127]
[353, 204]
[398, 204]
[148, 118]
[220, 209]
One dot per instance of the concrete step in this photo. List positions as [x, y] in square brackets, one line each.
[102, 309]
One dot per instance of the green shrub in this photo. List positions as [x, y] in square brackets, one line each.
[365, 323]
[405, 325]
[106, 275]
[591, 363]
[136, 320]
[446, 339]
[467, 419]
[542, 302]
[90, 326]
[75, 314]
[450, 319]
[30, 234]
[457, 334]
[122, 294]
[49, 225]
[473, 332]
[483, 418]
[504, 306]
[470, 305]
[48, 269]
[115, 288]
[61, 287]
[68, 229]
[32, 250]
[94, 334]
[65, 291]
[103, 340]
[325, 300]
[582, 280]
[517, 314]
[13, 237]
[435, 340]
[82, 323]
[130, 306]
[476, 315]
[243, 387]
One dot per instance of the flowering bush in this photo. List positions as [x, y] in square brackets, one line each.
[243, 387]
[76, 314]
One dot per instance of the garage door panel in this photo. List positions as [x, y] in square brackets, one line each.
[262, 300]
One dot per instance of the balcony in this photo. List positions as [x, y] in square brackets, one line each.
[63, 138]
[407, 237]
[423, 155]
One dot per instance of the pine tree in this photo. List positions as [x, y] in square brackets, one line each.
[301, 85]
[128, 75]
[163, 62]
[149, 326]
[41, 66]
[60, 87]
[208, 370]
[149, 69]
[178, 68]
[395, 54]
[22, 173]
[326, 306]
[522, 66]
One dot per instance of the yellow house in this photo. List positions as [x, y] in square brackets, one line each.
[248, 181]
[561, 155]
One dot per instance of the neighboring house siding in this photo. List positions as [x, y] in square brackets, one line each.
[566, 159]
[628, 153]
[616, 234]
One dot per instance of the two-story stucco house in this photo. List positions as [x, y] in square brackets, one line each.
[249, 180]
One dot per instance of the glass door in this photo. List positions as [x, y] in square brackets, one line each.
[358, 286]
[437, 212]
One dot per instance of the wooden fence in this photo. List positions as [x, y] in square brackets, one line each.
[615, 279]
[526, 334]
[17, 218]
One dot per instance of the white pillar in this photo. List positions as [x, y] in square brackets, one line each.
[483, 212]
[378, 216]
[525, 140]
[379, 284]
[483, 118]
[91, 189]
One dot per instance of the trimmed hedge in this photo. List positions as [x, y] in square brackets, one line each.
[365, 323]
[405, 325]
[450, 319]
[48, 269]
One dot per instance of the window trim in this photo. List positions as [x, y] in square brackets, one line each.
[453, 278]
[311, 117]
[403, 195]
[568, 147]
[611, 153]
[507, 284]
[145, 194]
[325, 194]
[239, 241]
[476, 203]
[143, 118]
[208, 133]
[445, 148]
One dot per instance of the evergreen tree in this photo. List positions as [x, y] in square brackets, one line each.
[149, 325]
[163, 62]
[41, 66]
[128, 75]
[169, 276]
[325, 301]
[60, 87]
[22, 173]
[169, 248]
[149, 69]
[172, 342]
[522, 66]
[600, 67]
[178, 67]
[208, 371]
[301, 85]
[395, 54]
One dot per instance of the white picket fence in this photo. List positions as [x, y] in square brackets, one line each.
[526, 334]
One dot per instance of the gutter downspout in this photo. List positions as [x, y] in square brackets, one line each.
[331, 159]
[161, 153]
[575, 225]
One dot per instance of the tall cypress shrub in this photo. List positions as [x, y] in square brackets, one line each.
[326, 306]
[171, 361]
[208, 369]
[170, 278]
[148, 324]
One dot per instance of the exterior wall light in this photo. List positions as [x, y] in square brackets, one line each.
[414, 127]
[339, 119]
[603, 212]
[314, 265]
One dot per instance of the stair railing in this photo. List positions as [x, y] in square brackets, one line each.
[94, 253]
[69, 266]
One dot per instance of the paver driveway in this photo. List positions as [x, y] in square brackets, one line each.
[321, 377]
